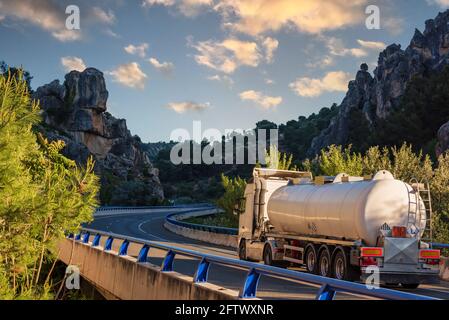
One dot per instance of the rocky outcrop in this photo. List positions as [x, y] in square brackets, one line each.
[377, 96]
[75, 112]
[443, 139]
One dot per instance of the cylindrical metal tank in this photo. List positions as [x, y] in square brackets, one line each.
[345, 210]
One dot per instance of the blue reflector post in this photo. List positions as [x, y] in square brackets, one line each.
[251, 283]
[108, 244]
[78, 237]
[123, 251]
[96, 241]
[202, 271]
[86, 237]
[325, 293]
[167, 264]
[143, 253]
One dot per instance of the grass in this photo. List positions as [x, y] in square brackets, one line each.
[217, 220]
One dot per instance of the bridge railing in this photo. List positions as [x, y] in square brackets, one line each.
[328, 287]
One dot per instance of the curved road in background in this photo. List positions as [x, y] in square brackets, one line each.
[150, 226]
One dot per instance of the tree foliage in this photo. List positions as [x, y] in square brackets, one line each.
[234, 190]
[43, 195]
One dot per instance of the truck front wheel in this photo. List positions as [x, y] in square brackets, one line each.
[242, 250]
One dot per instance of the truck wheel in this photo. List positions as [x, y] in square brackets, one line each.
[341, 269]
[311, 260]
[410, 285]
[340, 266]
[324, 263]
[267, 256]
[242, 250]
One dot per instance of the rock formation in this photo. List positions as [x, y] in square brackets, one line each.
[75, 112]
[376, 96]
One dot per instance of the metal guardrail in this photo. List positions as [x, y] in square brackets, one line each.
[115, 208]
[328, 287]
[201, 227]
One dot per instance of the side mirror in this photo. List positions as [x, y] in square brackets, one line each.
[239, 207]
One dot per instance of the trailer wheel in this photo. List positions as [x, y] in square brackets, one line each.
[341, 269]
[242, 250]
[311, 260]
[324, 263]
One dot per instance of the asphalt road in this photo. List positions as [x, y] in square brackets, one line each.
[149, 226]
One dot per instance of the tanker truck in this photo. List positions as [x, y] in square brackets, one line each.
[342, 227]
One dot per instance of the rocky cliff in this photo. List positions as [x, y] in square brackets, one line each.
[75, 112]
[376, 96]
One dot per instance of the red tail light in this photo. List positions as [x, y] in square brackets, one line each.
[371, 252]
[429, 256]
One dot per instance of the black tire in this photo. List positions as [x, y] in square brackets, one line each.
[311, 259]
[324, 263]
[242, 250]
[267, 256]
[341, 268]
[410, 285]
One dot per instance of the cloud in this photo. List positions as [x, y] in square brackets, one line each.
[140, 50]
[182, 107]
[322, 63]
[222, 78]
[269, 81]
[103, 16]
[270, 45]
[49, 15]
[73, 63]
[255, 17]
[331, 82]
[228, 55]
[259, 98]
[129, 75]
[442, 3]
[164, 67]
[337, 48]
[189, 8]
[46, 14]
[375, 45]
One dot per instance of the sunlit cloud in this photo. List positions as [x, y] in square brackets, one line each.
[129, 75]
[375, 45]
[182, 107]
[266, 102]
[255, 17]
[442, 3]
[46, 14]
[139, 50]
[312, 87]
[270, 45]
[228, 55]
[73, 63]
[164, 67]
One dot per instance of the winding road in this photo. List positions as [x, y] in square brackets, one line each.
[149, 225]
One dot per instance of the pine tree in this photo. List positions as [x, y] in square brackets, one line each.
[43, 195]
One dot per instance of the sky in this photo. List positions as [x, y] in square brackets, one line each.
[226, 63]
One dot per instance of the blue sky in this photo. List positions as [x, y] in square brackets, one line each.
[227, 63]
